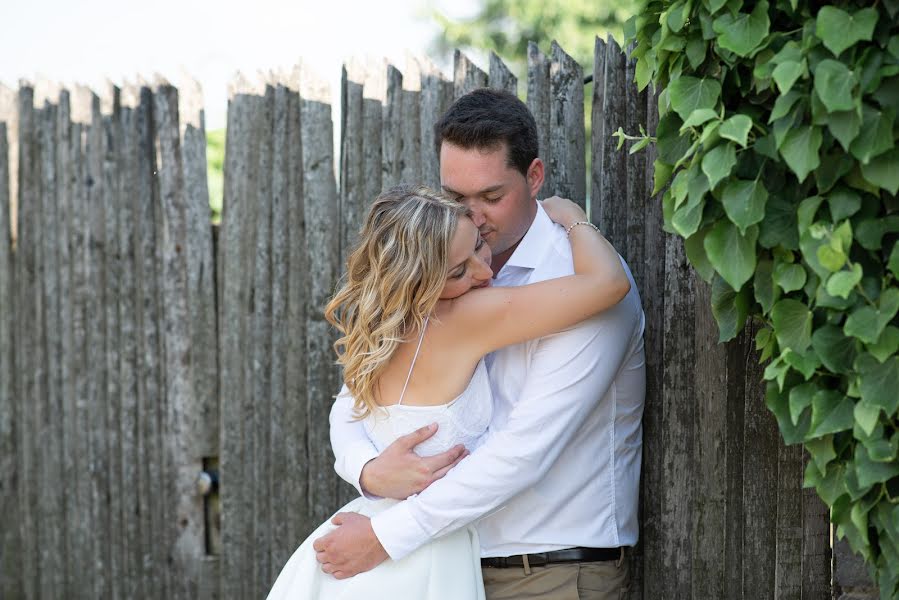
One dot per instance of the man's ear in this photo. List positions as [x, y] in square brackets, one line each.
[535, 177]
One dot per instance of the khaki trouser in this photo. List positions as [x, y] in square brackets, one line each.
[606, 580]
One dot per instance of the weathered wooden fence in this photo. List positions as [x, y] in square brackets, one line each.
[138, 348]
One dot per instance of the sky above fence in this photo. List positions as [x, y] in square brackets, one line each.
[91, 40]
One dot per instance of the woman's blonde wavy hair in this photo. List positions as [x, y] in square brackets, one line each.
[394, 279]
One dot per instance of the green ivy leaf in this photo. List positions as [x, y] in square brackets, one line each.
[792, 324]
[729, 308]
[742, 33]
[882, 171]
[836, 350]
[843, 203]
[821, 451]
[763, 284]
[696, 49]
[866, 416]
[736, 128]
[834, 83]
[690, 93]
[800, 149]
[800, 398]
[831, 258]
[718, 163]
[777, 403]
[876, 135]
[870, 472]
[783, 105]
[661, 174]
[789, 276]
[840, 30]
[844, 126]
[842, 283]
[744, 202]
[806, 363]
[695, 249]
[731, 253]
[878, 382]
[867, 323]
[831, 412]
[786, 73]
[698, 117]
[779, 226]
[887, 344]
[893, 263]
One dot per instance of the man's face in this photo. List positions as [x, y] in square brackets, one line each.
[501, 199]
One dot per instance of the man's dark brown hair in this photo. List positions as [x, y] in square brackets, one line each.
[487, 118]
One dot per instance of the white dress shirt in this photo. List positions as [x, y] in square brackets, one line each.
[560, 465]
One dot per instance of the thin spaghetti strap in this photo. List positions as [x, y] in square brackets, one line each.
[414, 358]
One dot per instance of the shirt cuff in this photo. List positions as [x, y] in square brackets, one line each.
[355, 459]
[398, 531]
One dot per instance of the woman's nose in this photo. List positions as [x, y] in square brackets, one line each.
[484, 272]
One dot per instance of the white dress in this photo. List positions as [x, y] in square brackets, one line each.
[447, 568]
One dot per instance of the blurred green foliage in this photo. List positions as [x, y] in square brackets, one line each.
[215, 162]
[506, 27]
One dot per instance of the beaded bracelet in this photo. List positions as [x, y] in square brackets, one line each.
[575, 224]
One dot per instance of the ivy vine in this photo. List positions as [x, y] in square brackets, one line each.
[778, 156]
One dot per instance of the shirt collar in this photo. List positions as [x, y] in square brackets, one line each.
[533, 245]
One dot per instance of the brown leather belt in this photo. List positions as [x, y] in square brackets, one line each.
[540, 559]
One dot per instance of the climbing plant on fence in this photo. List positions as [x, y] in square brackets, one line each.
[777, 151]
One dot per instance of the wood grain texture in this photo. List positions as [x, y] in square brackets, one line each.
[566, 128]
[392, 127]
[538, 102]
[500, 77]
[436, 96]
[466, 75]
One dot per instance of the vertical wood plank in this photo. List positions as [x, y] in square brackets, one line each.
[261, 344]
[539, 104]
[136, 483]
[321, 246]
[112, 133]
[678, 430]
[649, 556]
[500, 77]
[50, 433]
[295, 415]
[374, 92]
[816, 552]
[788, 525]
[392, 128]
[410, 124]
[735, 450]
[466, 75]
[184, 539]
[98, 405]
[599, 213]
[761, 439]
[436, 94]
[237, 218]
[281, 547]
[200, 268]
[352, 183]
[202, 308]
[708, 527]
[26, 316]
[614, 163]
[566, 130]
[10, 422]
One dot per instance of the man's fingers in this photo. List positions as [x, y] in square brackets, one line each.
[410, 440]
[319, 544]
[338, 519]
[444, 459]
[441, 472]
[328, 568]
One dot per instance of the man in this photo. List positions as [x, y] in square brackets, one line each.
[555, 483]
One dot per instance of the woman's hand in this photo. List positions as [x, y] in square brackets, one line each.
[562, 211]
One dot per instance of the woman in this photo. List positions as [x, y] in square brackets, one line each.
[412, 350]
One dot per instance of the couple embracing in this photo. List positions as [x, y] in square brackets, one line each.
[492, 348]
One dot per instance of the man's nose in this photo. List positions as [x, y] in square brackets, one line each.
[477, 215]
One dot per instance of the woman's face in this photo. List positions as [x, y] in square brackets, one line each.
[469, 261]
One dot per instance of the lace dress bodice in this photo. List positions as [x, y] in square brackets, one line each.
[462, 421]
